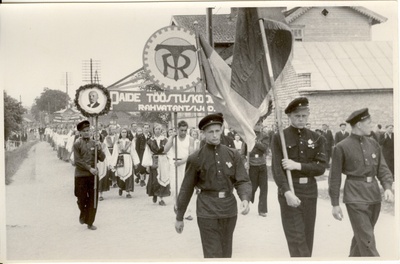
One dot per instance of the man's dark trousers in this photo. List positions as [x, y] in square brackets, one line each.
[216, 236]
[84, 191]
[259, 178]
[298, 224]
[363, 218]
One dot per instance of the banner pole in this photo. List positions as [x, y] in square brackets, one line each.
[95, 161]
[176, 157]
[277, 106]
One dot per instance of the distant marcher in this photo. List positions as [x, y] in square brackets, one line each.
[360, 159]
[103, 132]
[377, 134]
[125, 163]
[231, 133]
[141, 143]
[329, 142]
[132, 131]
[342, 134]
[24, 136]
[41, 132]
[158, 185]
[216, 170]
[239, 144]
[306, 159]
[387, 143]
[86, 174]
[196, 136]
[258, 171]
[111, 142]
[184, 147]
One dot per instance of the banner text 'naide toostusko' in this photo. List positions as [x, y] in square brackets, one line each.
[167, 101]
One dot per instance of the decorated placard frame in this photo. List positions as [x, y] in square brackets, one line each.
[93, 100]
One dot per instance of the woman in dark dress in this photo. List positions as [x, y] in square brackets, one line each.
[158, 184]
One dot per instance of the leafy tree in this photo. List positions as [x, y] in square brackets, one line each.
[13, 115]
[50, 101]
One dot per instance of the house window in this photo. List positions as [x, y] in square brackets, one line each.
[298, 34]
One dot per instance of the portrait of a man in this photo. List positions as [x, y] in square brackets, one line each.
[93, 97]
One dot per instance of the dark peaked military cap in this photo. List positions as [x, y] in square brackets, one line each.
[300, 102]
[358, 116]
[82, 125]
[212, 119]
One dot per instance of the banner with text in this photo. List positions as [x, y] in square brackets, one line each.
[168, 101]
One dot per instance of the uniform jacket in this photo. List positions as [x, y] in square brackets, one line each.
[84, 156]
[214, 168]
[304, 146]
[358, 156]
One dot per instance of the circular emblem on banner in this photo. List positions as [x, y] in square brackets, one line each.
[170, 58]
[92, 100]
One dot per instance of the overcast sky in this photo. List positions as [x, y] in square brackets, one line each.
[39, 43]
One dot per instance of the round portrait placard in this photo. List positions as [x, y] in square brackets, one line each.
[92, 100]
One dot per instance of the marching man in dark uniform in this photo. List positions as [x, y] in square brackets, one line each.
[306, 159]
[85, 172]
[360, 159]
[215, 169]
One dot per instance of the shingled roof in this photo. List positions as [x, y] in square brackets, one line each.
[345, 65]
[224, 25]
[294, 13]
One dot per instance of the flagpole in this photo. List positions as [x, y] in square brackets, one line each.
[201, 68]
[277, 106]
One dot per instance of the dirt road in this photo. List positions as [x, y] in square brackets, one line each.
[42, 224]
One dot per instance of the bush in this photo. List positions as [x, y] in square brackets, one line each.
[14, 159]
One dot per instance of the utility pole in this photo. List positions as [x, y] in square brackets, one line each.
[66, 82]
[91, 71]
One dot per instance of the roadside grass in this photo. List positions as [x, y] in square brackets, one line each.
[14, 159]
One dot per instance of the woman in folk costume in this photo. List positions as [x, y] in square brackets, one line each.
[111, 141]
[158, 184]
[127, 158]
[105, 168]
[70, 143]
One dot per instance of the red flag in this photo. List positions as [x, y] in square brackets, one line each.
[249, 66]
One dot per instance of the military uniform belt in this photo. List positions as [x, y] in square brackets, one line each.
[360, 178]
[301, 180]
[217, 194]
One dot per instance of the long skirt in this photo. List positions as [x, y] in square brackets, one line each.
[154, 188]
[126, 185]
[105, 182]
[125, 175]
[158, 184]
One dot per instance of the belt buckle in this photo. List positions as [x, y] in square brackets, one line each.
[221, 195]
[369, 179]
[303, 180]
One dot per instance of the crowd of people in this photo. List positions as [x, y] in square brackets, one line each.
[209, 163]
